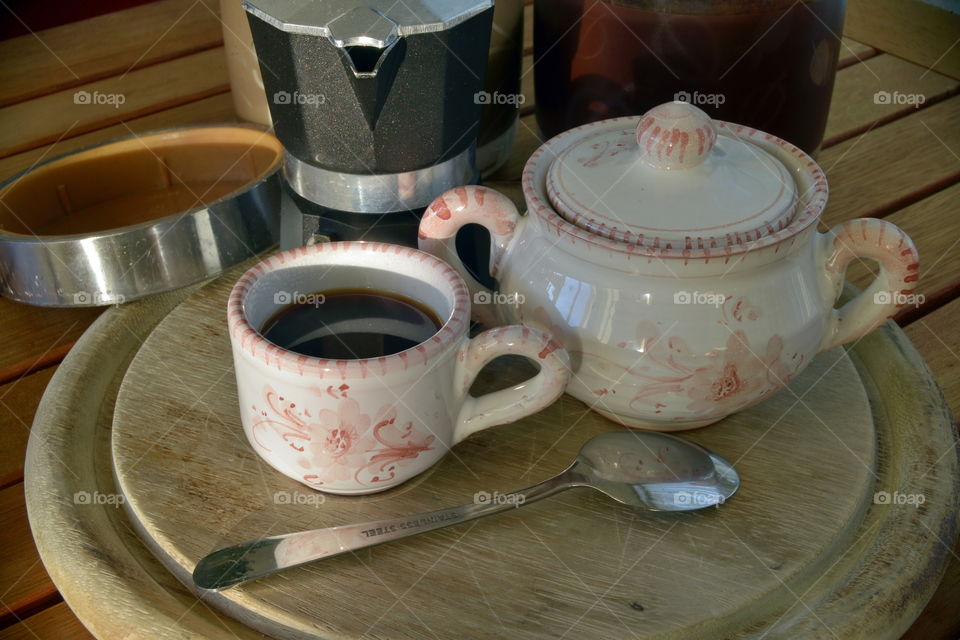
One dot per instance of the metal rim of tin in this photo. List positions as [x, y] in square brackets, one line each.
[155, 256]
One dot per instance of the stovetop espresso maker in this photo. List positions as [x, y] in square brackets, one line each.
[376, 104]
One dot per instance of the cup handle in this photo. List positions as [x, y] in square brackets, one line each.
[465, 205]
[523, 399]
[899, 269]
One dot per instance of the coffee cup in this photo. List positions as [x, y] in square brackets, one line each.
[355, 425]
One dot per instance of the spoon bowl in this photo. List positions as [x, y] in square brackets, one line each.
[643, 469]
[655, 471]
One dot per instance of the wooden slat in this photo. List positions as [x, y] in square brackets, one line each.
[34, 337]
[165, 85]
[852, 52]
[911, 29]
[79, 53]
[894, 164]
[934, 226]
[218, 108]
[25, 586]
[859, 94]
[18, 402]
[55, 623]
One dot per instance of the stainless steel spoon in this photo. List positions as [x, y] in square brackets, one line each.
[653, 471]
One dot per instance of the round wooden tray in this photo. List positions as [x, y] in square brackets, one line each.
[802, 551]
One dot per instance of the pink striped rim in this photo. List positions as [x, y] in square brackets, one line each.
[655, 247]
[253, 344]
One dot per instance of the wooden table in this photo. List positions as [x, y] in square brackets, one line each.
[885, 160]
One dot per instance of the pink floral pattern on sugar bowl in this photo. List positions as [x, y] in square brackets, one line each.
[674, 380]
[332, 446]
[725, 296]
[671, 379]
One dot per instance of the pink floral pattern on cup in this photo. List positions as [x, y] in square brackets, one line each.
[339, 444]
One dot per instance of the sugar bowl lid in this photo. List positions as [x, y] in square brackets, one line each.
[677, 179]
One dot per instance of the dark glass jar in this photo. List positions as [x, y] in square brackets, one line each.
[768, 64]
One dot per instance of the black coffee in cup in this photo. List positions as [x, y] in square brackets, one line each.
[348, 324]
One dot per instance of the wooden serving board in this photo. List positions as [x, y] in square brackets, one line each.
[801, 551]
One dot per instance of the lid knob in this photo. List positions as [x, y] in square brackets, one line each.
[675, 135]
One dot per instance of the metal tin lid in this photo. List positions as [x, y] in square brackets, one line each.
[371, 23]
[139, 216]
[673, 180]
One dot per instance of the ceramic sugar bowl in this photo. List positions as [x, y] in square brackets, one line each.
[678, 260]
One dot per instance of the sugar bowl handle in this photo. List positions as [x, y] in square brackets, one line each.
[899, 266]
[470, 205]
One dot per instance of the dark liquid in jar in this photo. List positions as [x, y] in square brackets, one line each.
[351, 324]
[768, 65]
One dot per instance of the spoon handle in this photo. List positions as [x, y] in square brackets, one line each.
[248, 560]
